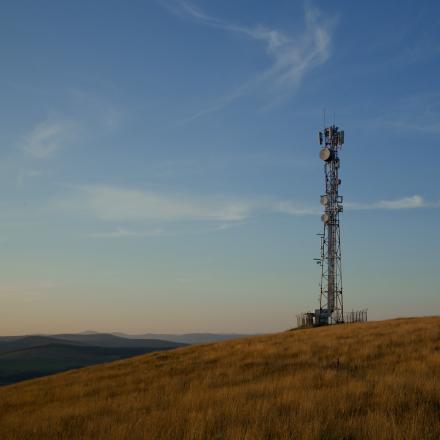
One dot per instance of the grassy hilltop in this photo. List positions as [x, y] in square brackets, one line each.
[378, 380]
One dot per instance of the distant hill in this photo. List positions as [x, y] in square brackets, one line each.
[27, 357]
[374, 381]
[188, 338]
[47, 359]
[118, 338]
[111, 340]
[23, 342]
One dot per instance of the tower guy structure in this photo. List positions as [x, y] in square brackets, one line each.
[331, 304]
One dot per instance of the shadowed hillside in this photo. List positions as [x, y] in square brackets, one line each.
[379, 380]
[28, 357]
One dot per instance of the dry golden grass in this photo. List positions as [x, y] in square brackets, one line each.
[379, 380]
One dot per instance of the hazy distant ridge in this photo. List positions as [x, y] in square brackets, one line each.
[187, 338]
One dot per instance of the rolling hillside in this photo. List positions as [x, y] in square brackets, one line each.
[28, 357]
[379, 380]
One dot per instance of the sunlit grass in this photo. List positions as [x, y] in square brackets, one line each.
[379, 380]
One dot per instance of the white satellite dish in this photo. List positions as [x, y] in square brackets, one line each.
[325, 154]
[324, 199]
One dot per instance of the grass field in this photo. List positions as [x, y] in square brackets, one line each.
[379, 380]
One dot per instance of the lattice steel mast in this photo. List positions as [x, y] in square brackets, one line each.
[331, 307]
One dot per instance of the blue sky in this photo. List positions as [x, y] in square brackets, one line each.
[159, 161]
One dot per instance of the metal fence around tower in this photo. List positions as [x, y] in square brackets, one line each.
[310, 319]
[356, 316]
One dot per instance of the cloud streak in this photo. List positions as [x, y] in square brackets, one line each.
[292, 57]
[47, 138]
[291, 208]
[135, 206]
[412, 202]
[111, 203]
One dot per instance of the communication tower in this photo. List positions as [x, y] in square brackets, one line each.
[331, 306]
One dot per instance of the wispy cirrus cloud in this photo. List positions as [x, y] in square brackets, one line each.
[292, 57]
[125, 206]
[47, 137]
[113, 203]
[412, 202]
[295, 209]
[84, 116]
